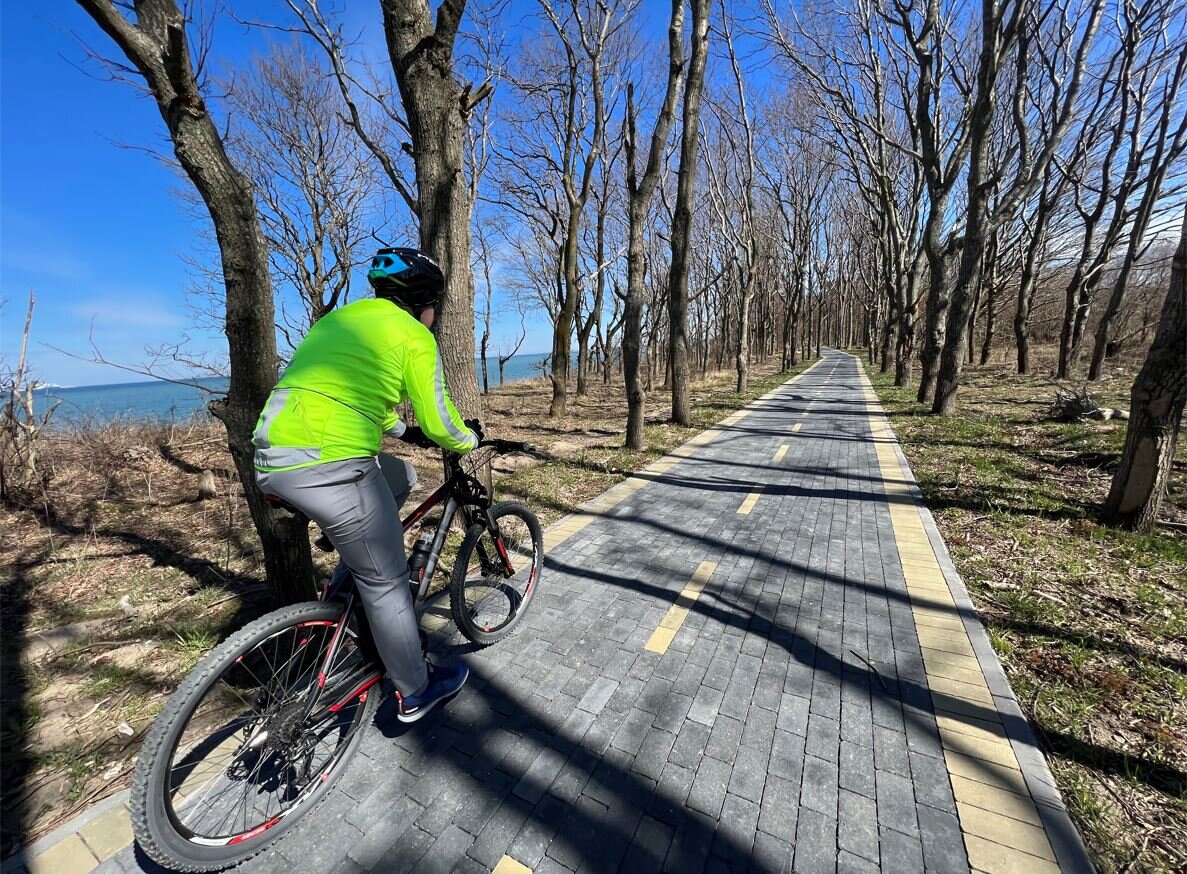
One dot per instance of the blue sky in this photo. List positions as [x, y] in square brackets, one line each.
[95, 228]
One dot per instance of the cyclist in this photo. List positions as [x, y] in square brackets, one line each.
[317, 446]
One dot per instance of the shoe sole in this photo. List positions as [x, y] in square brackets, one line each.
[424, 711]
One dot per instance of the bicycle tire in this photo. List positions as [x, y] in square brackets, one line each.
[457, 583]
[151, 822]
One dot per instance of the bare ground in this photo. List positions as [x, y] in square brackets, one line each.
[115, 579]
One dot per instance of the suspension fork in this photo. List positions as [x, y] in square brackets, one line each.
[496, 537]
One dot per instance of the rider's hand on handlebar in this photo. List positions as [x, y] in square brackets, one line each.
[475, 426]
[416, 437]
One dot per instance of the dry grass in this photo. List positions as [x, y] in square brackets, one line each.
[117, 550]
[1090, 622]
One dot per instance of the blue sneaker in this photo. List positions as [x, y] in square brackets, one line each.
[444, 682]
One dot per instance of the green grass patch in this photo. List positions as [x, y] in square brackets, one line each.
[1091, 622]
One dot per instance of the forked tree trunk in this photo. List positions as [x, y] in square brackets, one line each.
[1155, 412]
[639, 193]
[156, 44]
[438, 108]
[694, 87]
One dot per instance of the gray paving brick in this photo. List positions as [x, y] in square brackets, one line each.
[858, 825]
[771, 854]
[539, 775]
[749, 774]
[896, 803]
[818, 789]
[848, 863]
[704, 705]
[670, 793]
[597, 696]
[498, 833]
[735, 831]
[899, 852]
[634, 728]
[780, 808]
[649, 846]
[709, 787]
[793, 714]
[816, 844]
[787, 755]
[724, 739]
[890, 751]
[824, 737]
[653, 753]
[943, 843]
[673, 711]
[857, 769]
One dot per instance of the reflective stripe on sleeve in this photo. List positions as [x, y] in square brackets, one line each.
[466, 437]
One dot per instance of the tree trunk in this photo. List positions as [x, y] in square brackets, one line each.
[157, 46]
[1155, 412]
[935, 324]
[694, 86]
[437, 109]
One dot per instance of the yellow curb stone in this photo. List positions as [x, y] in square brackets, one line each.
[948, 645]
[950, 671]
[108, 834]
[991, 773]
[976, 690]
[1003, 830]
[962, 707]
[998, 800]
[956, 644]
[940, 657]
[991, 731]
[989, 750]
[995, 859]
[70, 856]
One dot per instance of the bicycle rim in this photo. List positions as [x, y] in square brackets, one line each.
[246, 757]
[488, 601]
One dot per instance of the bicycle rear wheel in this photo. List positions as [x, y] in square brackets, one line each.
[487, 604]
[252, 740]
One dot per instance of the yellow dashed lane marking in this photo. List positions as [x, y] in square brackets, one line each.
[662, 637]
[507, 865]
[782, 451]
[797, 426]
[748, 504]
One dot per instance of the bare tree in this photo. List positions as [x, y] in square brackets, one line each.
[1156, 412]
[21, 423]
[694, 88]
[1164, 144]
[155, 41]
[1019, 27]
[314, 183]
[640, 190]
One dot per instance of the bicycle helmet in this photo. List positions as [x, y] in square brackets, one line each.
[408, 277]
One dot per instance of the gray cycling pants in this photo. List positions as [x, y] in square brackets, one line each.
[357, 503]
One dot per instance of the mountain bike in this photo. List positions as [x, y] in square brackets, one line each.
[255, 736]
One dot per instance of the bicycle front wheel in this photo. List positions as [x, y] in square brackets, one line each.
[253, 739]
[486, 602]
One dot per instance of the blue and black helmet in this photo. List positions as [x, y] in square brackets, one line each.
[408, 277]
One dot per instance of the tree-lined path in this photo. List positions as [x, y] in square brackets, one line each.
[750, 657]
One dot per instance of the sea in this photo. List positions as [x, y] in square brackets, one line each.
[159, 401]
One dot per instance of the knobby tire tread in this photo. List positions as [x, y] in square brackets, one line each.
[179, 706]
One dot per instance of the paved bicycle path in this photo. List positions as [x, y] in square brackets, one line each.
[753, 656]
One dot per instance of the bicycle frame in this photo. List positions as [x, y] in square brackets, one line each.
[459, 491]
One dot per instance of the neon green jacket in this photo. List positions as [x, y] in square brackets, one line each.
[335, 398]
